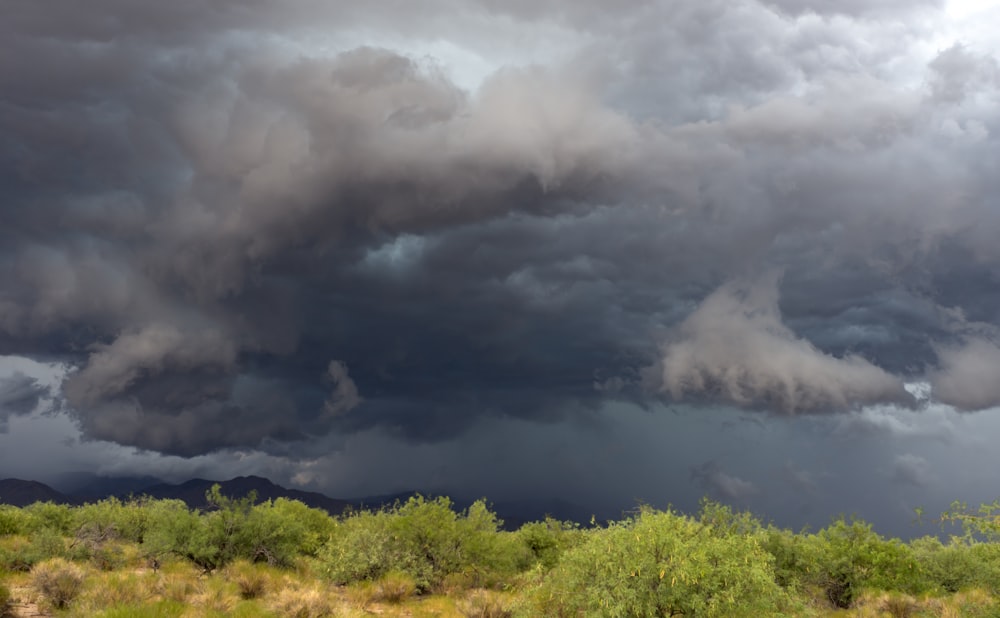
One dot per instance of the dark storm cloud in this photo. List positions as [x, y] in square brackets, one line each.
[19, 394]
[720, 484]
[256, 224]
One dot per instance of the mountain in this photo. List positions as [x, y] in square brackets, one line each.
[193, 492]
[22, 493]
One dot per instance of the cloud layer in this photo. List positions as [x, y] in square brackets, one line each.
[483, 211]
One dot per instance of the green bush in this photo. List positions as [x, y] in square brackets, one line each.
[848, 557]
[663, 564]
[545, 541]
[23, 555]
[425, 539]
[362, 549]
[47, 515]
[13, 520]
[113, 519]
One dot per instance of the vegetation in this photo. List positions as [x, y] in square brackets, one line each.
[424, 557]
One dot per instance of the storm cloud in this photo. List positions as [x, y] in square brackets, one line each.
[274, 228]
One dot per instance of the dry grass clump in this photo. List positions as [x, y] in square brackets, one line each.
[301, 601]
[253, 581]
[5, 601]
[58, 581]
[394, 588]
[215, 595]
[486, 604]
[112, 589]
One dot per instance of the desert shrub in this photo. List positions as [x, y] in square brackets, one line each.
[234, 529]
[850, 557]
[662, 564]
[22, 554]
[424, 538]
[51, 516]
[362, 549]
[58, 581]
[112, 518]
[545, 541]
[13, 520]
[314, 527]
[175, 530]
[795, 558]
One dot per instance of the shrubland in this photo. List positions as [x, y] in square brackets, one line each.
[425, 557]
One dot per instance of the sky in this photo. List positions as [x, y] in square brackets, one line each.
[581, 252]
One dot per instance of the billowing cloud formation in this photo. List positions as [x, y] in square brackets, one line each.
[483, 211]
[345, 395]
[734, 347]
[968, 375]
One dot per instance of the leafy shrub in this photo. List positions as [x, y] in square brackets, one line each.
[58, 581]
[13, 520]
[849, 557]
[424, 538]
[23, 554]
[662, 564]
[545, 541]
[362, 549]
[50, 516]
[112, 518]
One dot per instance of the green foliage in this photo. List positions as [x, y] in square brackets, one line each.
[715, 563]
[546, 541]
[113, 519]
[425, 539]
[847, 557]
[13, 520]
[314, 526]
[22, 555]
[48, 515]
[272, 532]
[982, 524]
[663, 564]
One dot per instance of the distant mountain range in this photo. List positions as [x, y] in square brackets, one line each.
[22, 493]
[80, 490]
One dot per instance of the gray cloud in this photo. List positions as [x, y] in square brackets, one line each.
[19, 395]
[966, 376]
[909, 469]
[345, 395]
[490, 211]
[734, 347]
[720, 484]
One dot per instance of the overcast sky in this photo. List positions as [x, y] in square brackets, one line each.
[576, 250]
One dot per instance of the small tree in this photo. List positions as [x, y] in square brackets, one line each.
[663, 564]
